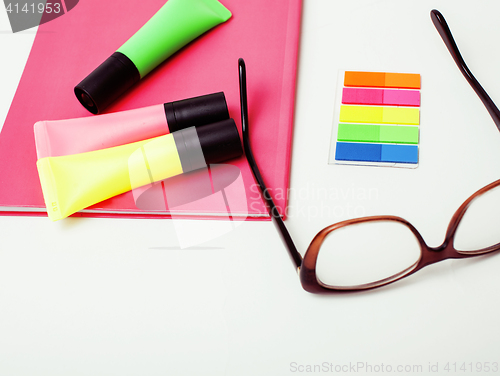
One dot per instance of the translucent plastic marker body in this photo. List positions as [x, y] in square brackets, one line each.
[74, 182]
[176, 24]
[80, 135]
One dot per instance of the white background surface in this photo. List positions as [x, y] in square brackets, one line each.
[119, 297]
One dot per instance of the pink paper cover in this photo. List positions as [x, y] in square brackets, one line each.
[264, 33]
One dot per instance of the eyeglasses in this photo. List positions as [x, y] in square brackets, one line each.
[370, 252]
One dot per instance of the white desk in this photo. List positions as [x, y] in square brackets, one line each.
[118, 297]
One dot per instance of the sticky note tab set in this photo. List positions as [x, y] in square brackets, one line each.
[377, 120]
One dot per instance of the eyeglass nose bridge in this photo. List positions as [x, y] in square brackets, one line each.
[432, 255]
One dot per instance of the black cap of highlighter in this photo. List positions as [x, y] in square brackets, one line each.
[220, 141]
[209, 144]
[107, 82]
[193, 112]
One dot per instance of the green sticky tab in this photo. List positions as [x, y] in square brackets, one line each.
[399, 134]
[394, 134]
[358, 132]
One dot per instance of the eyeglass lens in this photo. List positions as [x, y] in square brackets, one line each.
[366, 253]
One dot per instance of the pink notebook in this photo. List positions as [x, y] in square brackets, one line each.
[264, 33]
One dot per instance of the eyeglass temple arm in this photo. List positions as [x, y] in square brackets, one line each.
[273, 210]
[445, 33]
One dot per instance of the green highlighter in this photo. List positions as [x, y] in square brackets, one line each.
[176, 24]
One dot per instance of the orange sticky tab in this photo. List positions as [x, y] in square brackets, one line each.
[382, 79]
[402, 80]
[366, 79]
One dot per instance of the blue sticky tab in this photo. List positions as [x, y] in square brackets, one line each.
[400, 153]
[348, 151]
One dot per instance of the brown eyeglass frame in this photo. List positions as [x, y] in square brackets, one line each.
[428, 255]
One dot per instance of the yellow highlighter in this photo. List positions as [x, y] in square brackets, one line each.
[73, 182]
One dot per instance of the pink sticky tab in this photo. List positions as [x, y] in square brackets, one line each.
[362, 96]
[381, 97]
[402, 98]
